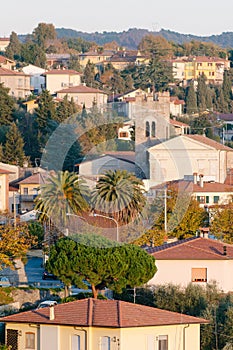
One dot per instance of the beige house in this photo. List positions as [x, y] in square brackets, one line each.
[196, 260]
[4, 42]
[6, 62]
[4, 190]
[108, 161]
[187, 154]
[57, 79]
[28, 190]
[91, 324]
[84, 95]
[17, 82]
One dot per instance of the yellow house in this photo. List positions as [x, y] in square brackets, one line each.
[28, 190]
[94, 57]
[4, 42]
[91, 324]
[212, 67]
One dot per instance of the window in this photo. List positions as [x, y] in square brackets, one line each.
[199, 274]
[153, 129]
[123, 134]
[216, 199]
[147, 133]
[25, 191]
[163, 342]
[75, 342]
[30, 340]
[105, 343]
[203, 199]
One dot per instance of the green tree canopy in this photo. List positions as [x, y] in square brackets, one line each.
[114, 267]
[222, 223]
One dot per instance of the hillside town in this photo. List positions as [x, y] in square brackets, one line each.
[116, 188]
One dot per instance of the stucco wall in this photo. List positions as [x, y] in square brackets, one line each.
[180, 272]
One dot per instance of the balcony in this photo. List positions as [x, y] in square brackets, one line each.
[27, 197]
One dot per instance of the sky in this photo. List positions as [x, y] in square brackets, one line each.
[199, 17]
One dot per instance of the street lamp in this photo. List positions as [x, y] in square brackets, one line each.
[78, 216]
[49, 221]
[110, 218]
[165, 196]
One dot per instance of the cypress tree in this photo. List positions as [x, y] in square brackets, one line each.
[201, 93]
[46, 110]
[191, 100]
[13, 149]
[226, 87]
[7, 105]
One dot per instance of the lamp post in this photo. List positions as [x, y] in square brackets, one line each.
[49, 221]
[165, 196]
[110, 218]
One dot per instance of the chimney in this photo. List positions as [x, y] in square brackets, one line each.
[51, 313]
[224, 250]
[201, 182]
[195, 178]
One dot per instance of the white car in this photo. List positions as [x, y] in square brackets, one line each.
[46, 303]
[4, 282]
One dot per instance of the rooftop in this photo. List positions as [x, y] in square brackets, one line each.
[103, 313]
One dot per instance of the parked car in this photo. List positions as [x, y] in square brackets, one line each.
[47, 303]
[4, 282]
[48, 276]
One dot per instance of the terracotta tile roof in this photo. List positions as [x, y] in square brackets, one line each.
[4, 71]
[4, 39]
[103, 313]
[81, 89]
[195, 248]
[36, 179]
[209, 142]
[177, 123]
[61, 71]
[3, 171]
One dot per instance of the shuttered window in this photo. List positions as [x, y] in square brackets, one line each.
[30, 340]
[163, 342]
[199, 274]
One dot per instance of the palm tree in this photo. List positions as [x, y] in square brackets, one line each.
[119, 194]
[63, 193]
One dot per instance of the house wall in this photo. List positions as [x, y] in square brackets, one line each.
[138, 338]
[86, 99]
[180, 272]
[56, 82]
[179, 157]
[19, 85]
[101, 165]
[146, 338]
[4, 192]
[224, 198]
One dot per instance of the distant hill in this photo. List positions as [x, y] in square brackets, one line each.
[132, 37]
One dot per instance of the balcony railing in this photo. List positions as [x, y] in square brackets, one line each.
[27, 197]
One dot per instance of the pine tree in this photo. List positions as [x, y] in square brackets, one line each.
[191, 100]
[13, 149]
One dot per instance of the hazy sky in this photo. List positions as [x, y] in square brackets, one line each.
[199, 17]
